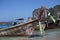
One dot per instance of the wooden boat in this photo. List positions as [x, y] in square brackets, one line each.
[19, 29]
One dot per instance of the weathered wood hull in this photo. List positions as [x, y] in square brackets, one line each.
[16, 30]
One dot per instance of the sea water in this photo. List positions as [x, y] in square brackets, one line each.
[6, 25]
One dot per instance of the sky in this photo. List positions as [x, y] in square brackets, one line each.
[14, 9]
